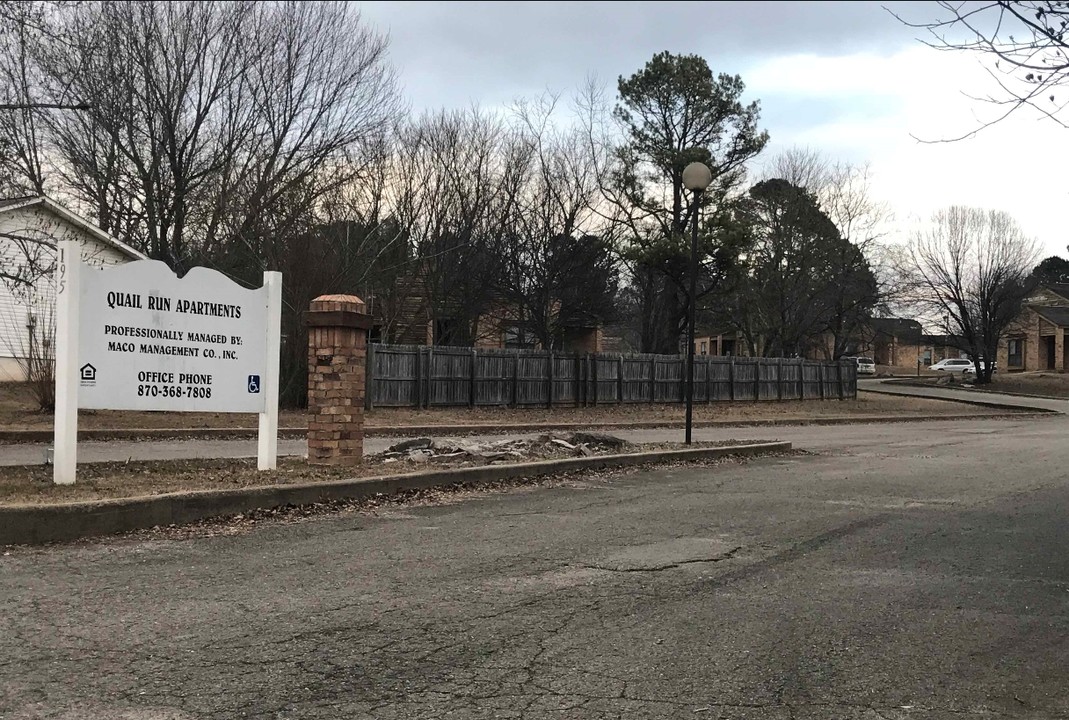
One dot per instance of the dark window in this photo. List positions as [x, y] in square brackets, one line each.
[445, 331]
[515, 337]
[1016, 352]
[729, 347]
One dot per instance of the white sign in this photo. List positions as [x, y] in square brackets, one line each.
[151, 341]
[136, 337]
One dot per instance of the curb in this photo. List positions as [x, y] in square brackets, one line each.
[38, 524]
[45, 436]
[1026, 409]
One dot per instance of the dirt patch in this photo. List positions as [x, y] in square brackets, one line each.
[16, 412]
[100, 481]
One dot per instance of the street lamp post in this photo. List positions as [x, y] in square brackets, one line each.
[696, 178]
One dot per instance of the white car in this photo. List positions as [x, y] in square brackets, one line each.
[865, 366]
[953, 366]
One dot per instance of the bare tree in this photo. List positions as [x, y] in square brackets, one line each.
[211, 124]
[968, 273]
[557, 272]
[1027, 44]
[455, 190]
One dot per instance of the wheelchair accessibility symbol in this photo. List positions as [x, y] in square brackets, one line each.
[254, 383]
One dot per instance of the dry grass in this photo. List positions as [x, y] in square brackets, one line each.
[1031, 383]
[16, 412]
[1041, 383]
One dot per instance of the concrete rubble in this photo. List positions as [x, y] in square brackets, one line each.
[550, 445]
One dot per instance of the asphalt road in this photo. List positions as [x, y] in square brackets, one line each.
[903, 571]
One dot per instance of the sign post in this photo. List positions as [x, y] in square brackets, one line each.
[65, 440]
[267, 442]
[138, 337]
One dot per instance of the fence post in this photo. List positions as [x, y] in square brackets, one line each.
[418, 385]
[653, 379]
[578, 379]
[549, 374]
[757, 381]
[369, 377]
[731, 379]
[515, 377]
[620, 379]
[708, 380]
[473, 377]
[593, 360]
[801, 379]
[683, 370]
[430, 376]
[820, 376]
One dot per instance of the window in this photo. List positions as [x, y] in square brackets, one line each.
[1016, 352]
[445, 331]
[703, 347]
[515, 337]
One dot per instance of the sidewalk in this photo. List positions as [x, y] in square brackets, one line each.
[804, 436]
[946, 393]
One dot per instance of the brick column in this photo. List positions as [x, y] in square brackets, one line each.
[1059, 348]
[337, 353]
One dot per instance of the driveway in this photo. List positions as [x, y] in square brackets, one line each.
[901, 571]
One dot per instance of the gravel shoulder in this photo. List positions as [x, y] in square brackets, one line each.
[31, 485]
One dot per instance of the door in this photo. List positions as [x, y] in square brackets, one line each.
[1050, 352]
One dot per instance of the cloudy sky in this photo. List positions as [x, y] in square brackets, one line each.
[846, 79]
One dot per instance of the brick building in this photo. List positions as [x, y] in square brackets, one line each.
[1036, 341]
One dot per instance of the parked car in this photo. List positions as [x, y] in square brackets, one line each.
[866, 366]
[953, 366]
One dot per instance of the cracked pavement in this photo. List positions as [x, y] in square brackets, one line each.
[900, 571]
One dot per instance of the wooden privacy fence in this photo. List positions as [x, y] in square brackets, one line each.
[418, 376]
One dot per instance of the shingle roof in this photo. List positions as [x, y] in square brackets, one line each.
[1059, 288]
[1057, 315]
[901, 328]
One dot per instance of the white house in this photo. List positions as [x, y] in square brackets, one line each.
[29, 229]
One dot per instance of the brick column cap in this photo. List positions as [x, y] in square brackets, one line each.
[338, 303]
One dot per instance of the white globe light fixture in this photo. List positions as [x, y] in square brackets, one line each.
[696, 177]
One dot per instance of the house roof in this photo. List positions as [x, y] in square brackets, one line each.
[901, 328]
[1058, 288]
[1057, 315]
[10, 204]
